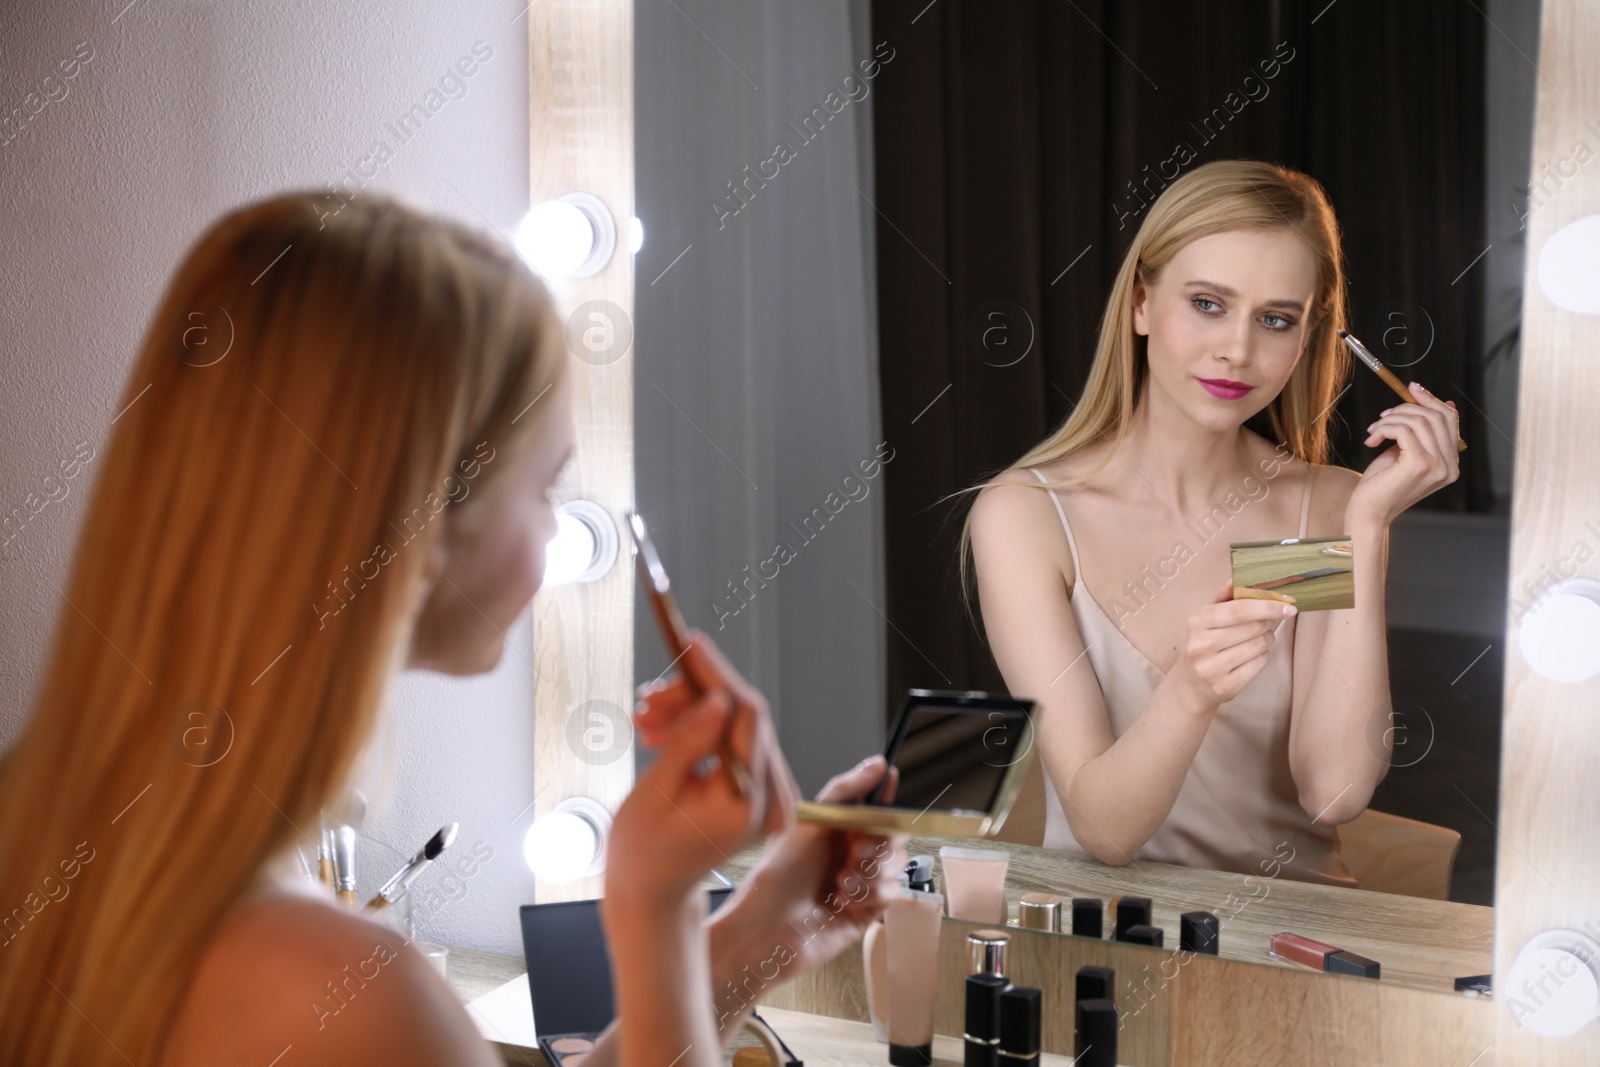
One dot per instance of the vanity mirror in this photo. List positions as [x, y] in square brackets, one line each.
[889, 242]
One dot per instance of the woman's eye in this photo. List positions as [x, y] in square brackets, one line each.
[1287, 324]
[1197, 301]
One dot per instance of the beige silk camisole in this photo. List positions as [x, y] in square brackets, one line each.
[1238, 808]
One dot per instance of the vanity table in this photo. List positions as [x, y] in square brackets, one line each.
[1241, 1006]
[815, 1039]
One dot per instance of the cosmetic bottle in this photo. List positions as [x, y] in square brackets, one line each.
[1088, 918]
[912, 927]
[1198, 931]
[1095, 983]
[1142, 934]
[986, 951]
[1020, 1010]
[1039, 911]
[875, 971]
[1096, 1044]
[981, 1032]
[1129, 911]
[975, 882]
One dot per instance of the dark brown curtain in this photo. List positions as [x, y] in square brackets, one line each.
[1009, 138]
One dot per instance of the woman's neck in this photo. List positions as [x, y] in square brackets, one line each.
[1184, 465]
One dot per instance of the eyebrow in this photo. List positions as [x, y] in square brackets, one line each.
[1224, 290]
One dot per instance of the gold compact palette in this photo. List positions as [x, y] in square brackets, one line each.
[1312, 573]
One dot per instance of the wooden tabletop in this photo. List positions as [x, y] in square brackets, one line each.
[815, 1039]
[1418, 942]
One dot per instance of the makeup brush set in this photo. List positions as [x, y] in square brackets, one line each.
[337, 841]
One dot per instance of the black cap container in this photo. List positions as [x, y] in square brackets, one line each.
[1095, 983]
[1198, 932]
[1088, 917]
[982, 1027]
[1020, 1011]
[1140, 934]
[1097, 1034]
[1131, 911]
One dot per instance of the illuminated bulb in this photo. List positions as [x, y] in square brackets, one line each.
[1561, 635]
[572, 236]
[568, 842]
[570, 551]
[1553, 988]
[585, 544]
[1569, 266]
[635, 235]
[555, 238]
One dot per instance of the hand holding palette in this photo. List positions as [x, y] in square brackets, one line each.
[1312, 573]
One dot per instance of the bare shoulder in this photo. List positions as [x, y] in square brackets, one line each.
[1014, 519]
[1330, 495]
[336, 987]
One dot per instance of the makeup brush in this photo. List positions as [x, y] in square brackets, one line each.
[349, 813]
[396, 887]
[325, 854]
[344, 864]
[658, 588]
[1388, 376]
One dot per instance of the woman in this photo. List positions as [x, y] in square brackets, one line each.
[345, 472]
[1177, 724]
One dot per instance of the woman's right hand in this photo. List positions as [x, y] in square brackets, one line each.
[1227, 647]
[678, 823]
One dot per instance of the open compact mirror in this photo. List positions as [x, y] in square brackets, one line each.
[956, 762]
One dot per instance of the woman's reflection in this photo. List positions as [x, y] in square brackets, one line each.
[1177, 724]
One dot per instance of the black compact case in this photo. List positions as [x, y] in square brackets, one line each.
[569, 974]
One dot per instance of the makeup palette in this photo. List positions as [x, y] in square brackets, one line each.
[569, 976]
[566, 1050]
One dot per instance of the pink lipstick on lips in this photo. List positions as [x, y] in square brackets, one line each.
[1222, 387]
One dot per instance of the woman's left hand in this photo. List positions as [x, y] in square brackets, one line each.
[813, 893]
[1423, 460]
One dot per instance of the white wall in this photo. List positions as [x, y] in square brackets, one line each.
[185, 110]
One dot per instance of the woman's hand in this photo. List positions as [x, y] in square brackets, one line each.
[1423, 460]
[682, 819]
[1227, 647]
[812, 894]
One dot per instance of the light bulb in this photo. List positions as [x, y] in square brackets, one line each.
[585, 545]
[571, 550]
[1553, 988]
[568, 842]
[1569, 266]
[555, 238]
[1560, 635]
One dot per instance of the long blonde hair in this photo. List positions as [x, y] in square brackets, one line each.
[1230, 194]
[317, 377]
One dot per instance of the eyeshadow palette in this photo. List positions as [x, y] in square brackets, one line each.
[569, 975]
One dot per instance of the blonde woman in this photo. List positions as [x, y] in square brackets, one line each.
[1177, 724]
[356, 484]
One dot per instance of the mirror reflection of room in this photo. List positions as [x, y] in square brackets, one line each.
[1357, 731]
